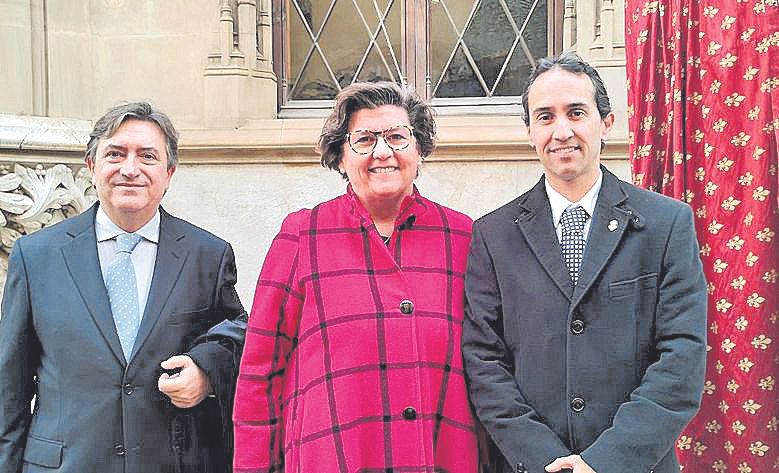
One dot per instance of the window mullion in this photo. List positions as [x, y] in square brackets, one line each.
[417, 54]
[556, 11]
[280, 48]
[416, 44]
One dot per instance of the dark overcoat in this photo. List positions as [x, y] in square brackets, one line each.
[94, 411]
[611, 369]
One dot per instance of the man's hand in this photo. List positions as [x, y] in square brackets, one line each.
[574, 462]
[186, 388]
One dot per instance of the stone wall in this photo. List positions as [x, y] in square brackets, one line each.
[245, 204]
[242, 168]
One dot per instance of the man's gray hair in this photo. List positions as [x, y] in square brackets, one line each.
[107, 125]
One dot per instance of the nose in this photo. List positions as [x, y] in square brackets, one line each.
[130, 166]
[382, 149]
[562, 130]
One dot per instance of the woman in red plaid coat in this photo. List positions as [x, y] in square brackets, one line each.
[352, 360]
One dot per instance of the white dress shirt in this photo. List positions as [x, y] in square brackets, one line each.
[143, 256]
[560, 203]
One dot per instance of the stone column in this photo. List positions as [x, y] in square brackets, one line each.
[239, 81]
[607, 27]
[247, 32]
[264, 36]
[599, 30]
[40, 66]
[226, 28]
[569, 24]
[16, 52]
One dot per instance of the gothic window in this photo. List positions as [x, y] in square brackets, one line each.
[455, 52]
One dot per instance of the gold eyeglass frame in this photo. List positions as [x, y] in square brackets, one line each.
[378, 134]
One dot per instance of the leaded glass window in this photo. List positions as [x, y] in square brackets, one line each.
[450, 51]
[485, 49]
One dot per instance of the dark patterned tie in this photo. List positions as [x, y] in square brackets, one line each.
[123, 291]
[573, 240]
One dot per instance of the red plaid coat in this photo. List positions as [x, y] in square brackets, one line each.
[352, 359]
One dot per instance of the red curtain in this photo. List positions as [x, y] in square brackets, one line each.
[703, 102]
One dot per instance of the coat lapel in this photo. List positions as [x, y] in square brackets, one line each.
[609, 223]
[535, 222]
[171, 255]
[84, 267]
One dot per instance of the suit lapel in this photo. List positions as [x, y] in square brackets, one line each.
[171, 255]
[535, 222]
[84, 267]
[609, 224]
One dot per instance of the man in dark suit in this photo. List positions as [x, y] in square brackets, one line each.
[122, 322]
[584, 336]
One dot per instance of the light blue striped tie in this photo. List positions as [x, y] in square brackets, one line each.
[123, 291]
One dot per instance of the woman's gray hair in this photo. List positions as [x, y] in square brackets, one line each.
[107, 125]
[574, 64]
[371, 95]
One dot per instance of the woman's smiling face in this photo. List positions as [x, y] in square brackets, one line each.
[385, 173]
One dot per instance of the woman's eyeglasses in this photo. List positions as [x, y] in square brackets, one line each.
[364, 141]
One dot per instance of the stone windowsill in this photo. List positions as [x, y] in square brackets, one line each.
[461, 138]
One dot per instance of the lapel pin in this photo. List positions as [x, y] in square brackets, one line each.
[612, 225]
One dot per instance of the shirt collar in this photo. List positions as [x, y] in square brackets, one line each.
[559, 203]
[410, 208]
[105, 229]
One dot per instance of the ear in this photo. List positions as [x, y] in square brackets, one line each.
[608, 123]
[90, 164]
[171, 170]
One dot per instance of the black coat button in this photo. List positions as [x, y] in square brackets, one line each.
[129, 389]
[409, 413]
[119, 449]
[577, 404]
[577, 326]
[406, 307]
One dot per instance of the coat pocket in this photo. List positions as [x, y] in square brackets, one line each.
[43, 452]
[632, 287]
[185, 317]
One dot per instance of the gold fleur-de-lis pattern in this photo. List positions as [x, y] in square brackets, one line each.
[703, 105]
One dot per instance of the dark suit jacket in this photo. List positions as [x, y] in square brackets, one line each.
[95, 412]
[612, 369]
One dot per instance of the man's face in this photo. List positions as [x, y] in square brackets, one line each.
[566, 128]
[130, 172]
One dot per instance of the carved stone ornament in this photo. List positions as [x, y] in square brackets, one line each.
[35, 197]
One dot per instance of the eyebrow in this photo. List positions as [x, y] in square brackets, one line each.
[568, 107]
[400, 125]
[124, 148]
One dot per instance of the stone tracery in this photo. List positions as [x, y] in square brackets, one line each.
[35, 196]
